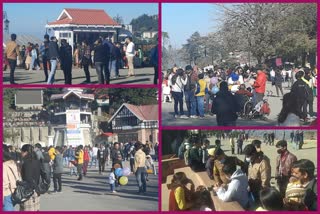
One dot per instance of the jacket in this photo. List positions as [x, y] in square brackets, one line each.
[225, 106]
[260, 83]
[58, 164]
[79, 156]
[30, 171]
[237, 189]
[66, 55]
[300, 90]
[10, 176]
[278, 79]
[53, 50]
[86, 155]
[116, 155]
[178, 198]
[139, 160]
[101, 53]
[259, 174]
[202, 85]
[52, 153]
[179, 85]
[12, 50]
[284, 163]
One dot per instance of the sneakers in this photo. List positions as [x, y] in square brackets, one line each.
[176, 116]
[184, 117]
[114, 191]
[194, 116]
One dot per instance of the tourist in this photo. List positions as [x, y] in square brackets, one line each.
[10, 177]
[57, 171]
[290, 113]
[259, 171]
[79, 158]
[180, 197]
[101, 155]
[94, 155]
[118, 58]
[140, 168]
[177, 83]
[66, 61]
[308, 80]
[116, 155]
[86, 160]
[195, 156]
[210, 163]
[200, 93]
[53, 56]
[11, 53]
[112, 180]
[225, 106]
[101, 53]
[154, 61]
[300, 92]
[237, 184]
[284, 162]
[271, 200]
[130, 53]
[189, 94]
[278, 82]
[260, 84]
[30, 172]
[131, 157]
[76, 54]
[44, 52]
[85, 59]
[28, 56]
[203, 200]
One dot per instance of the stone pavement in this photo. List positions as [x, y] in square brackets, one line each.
[93, 194]
[274, 102]
[22, 76]
[308, 151]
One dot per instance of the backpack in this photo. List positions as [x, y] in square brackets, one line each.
[187, 158]
[265, 109]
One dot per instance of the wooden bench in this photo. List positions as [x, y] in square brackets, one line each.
[168, 166]
[202, 178]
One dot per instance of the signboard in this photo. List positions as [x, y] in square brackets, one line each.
[73, 116]
[74, 137]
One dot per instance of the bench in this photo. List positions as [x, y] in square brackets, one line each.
[201, 178]
[168, 166]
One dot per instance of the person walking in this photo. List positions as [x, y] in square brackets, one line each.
[189, 95]
[101, 158]
[11, 53]
[260, 84]
[130, 53]
[278, 82]
[85, 59]
[101, 54]
[79, 158]
[57, 171]
[86, 159]
[140, 168]
[53, 56]
[44, 52]
[66, 61]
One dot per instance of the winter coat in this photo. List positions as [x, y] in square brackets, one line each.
[58, 164]
[219, 175]
[260, 83]
[286, 163]
[259, 174]
[237, 189]
[53, 50]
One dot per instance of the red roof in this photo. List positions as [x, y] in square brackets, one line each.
[146, 112]
[84, 17]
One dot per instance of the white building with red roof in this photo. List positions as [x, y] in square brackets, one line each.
[76, 25]
[135, 123]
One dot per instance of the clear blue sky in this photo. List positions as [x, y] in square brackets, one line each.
[31, 18]
[180, 20]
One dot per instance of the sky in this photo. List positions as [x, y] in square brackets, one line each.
[180, 20]
[31, 18]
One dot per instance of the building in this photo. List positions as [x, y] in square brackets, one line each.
[76, 25]
[149, 34]
[72, 120]
[135, 123]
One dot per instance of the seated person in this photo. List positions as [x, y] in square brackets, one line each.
[196, 162]
[203, 200]
[243, 95]
[181, 198]
[237, 186]
[271, 200]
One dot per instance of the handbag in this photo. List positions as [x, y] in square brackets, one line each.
[23, 192]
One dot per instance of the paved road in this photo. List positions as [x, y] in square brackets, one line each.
[93, 194]
[275, 105]
[143, 76]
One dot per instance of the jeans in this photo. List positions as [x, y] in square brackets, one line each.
[102, 163]
[191, 102]
[113, 68]
[178, 99]
[65, 161]
[87, 73]
[53, 63]
[156, 75]
[85, 167]
[112, 187]
[13, 64]
[131, 164]
[45, 67]
[200, 101]
[94, 158]
[141, 174]
[100, 68]
[207, 104]
[57, 181]
[259, 97]
[7, 204]
[33, 60]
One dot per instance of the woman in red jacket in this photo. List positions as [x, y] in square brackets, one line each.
[86, 159]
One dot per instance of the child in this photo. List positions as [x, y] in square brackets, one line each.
[112, 180]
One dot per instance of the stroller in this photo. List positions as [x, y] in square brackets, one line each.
[259, 111]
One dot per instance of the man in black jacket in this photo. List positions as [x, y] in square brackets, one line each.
[300, 91]
[225, 106]
[66, 61]
[45, 56]
[53, 56]
[102, 157]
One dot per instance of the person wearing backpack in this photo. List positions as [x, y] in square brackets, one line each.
[10, 177]
[225, 106]
[177, 83]
[200, 93]
[30, 172]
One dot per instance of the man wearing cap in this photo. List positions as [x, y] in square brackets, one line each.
[259, 171]
[11, 53]
[220, 158]
[189, 88]
[140, 168]
[285, 159]
[260, 84]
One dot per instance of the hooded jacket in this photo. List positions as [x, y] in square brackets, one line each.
[237, 189]
[260, 83]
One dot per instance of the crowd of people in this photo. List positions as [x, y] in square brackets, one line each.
[105, 56]
[36, 165]
[241, 92]
[244, 181]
